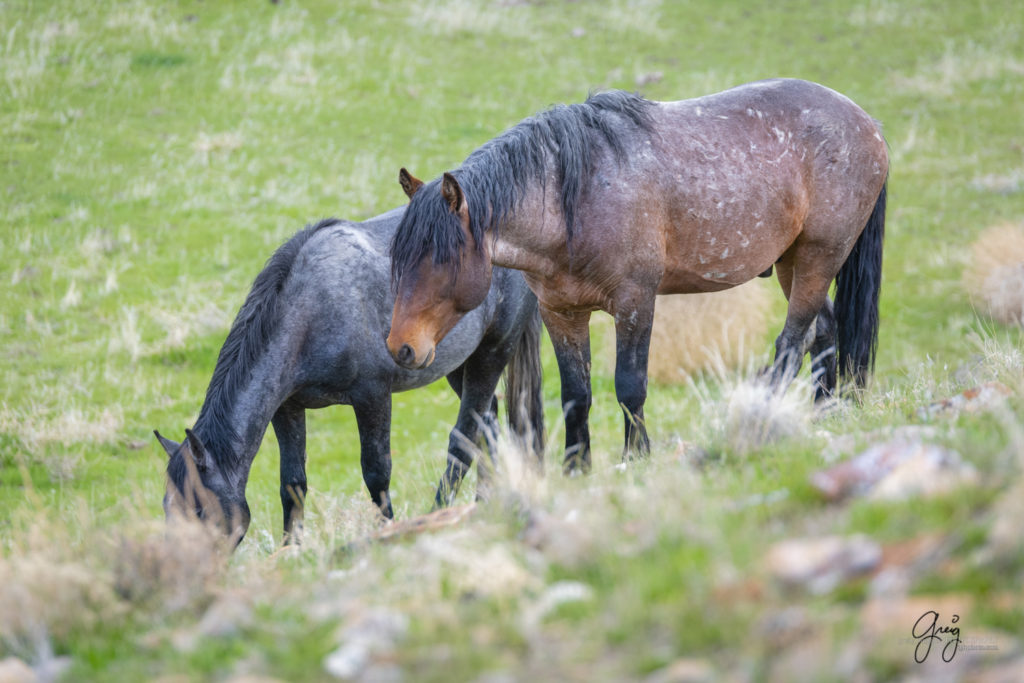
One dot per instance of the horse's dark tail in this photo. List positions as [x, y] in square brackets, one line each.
[524, 400]
[856, 303]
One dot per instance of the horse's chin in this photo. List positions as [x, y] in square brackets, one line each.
[429, 359]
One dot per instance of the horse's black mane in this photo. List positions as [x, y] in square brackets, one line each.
[254, 325]
[495, 176]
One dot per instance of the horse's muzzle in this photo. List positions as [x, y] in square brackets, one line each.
[405, 356]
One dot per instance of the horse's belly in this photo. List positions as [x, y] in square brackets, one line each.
[710, 256]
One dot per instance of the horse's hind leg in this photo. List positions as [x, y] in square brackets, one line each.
[823, 353]
[805, 280]
[634, 318]
[373, 416]
[290, 427]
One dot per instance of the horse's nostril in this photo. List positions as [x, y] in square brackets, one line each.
[405, 355]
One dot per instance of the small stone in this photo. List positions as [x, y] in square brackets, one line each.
[975, 400]
[685, 670]
[1008, 672]
[818, 565]
[930, 471]
[895, 470]
[13, 670]
[371, 635]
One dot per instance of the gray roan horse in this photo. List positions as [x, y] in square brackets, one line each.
[311, 334]
[605, 204]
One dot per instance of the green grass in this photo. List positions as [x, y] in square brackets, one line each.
[154, 154]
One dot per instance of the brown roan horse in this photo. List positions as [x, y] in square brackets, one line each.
[605, 204]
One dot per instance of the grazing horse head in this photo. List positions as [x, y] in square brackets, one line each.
[441, 283]
[197, 488]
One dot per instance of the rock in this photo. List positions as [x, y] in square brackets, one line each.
[978, 399]
[785, 627]
[1008, 672]
[1005, 542]
[13, 670]
[895, 470]
[818, 565]
[928, 471]
[904, 561]
[686, 670]
[841, 445]
[810, 659]
[371, 635]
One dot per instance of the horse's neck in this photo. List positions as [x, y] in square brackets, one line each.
[532, 238]
[232, 423]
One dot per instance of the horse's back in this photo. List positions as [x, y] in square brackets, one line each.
[745, 171]
[341, 296]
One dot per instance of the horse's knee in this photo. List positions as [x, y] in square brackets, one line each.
[631, 391]
[293, 493]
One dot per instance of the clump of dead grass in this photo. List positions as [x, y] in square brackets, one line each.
[741, 412]
[173, 568]
[994, 277]
[62, 577]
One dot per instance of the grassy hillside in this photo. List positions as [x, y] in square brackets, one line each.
[153, 155]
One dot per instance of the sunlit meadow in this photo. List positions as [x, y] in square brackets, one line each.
[154, 154]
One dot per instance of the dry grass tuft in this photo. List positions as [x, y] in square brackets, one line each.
[70, 426]
[50, 587]
[41, 597]
[60, 578]
[742, 413]
[994, 276]
[450, 17]
[697, 332]
[176, 567]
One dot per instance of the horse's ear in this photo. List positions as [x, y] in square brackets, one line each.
[410, 183]
[170, 446]
[198, 451]
[452, 192]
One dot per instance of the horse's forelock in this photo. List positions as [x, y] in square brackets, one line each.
[428, 229]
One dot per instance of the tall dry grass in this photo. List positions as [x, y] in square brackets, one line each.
[61, 576]
[994, 276]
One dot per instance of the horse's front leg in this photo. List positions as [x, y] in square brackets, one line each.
[476, 428]
[373, 417]
[570, 337]
[634, 318]
[290, 427]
